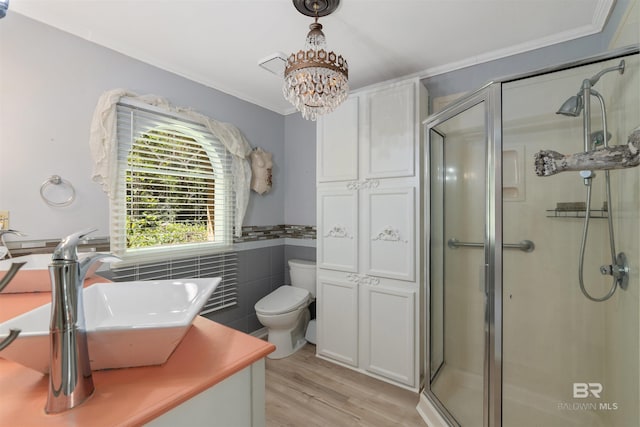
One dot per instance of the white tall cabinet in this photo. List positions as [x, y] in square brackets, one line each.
[368, 246]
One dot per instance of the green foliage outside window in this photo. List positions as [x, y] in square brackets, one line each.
[170, 191]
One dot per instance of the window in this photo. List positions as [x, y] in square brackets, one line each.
[172, 192]
[174, 195]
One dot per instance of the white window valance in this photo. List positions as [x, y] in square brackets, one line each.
[104, 149]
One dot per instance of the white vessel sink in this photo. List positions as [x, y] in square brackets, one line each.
[128, 323]
[34, 275]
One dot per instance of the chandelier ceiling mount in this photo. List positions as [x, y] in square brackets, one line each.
[317, 8]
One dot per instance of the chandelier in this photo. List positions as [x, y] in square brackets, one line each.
[315, 80]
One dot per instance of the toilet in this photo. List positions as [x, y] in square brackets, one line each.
[285, 311]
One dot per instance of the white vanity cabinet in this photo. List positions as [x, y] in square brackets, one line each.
[238, 400]
[368, 206]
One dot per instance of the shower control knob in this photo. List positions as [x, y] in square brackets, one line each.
[586, 174]
[606, 270]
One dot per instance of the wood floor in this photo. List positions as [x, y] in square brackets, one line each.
[306, 391]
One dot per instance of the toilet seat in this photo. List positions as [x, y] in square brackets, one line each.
[283, 300]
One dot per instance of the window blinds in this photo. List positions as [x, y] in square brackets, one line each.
[184, 171]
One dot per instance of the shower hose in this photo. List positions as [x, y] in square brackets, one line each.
[585, 230]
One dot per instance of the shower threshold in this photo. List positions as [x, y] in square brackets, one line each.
[459, 389]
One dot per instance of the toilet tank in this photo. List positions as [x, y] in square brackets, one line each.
[303, 275]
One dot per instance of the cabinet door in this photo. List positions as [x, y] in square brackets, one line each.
[390, 141]
[388, 217]
[338, 135]
[337, 243]
[388, 333]
[337, 320]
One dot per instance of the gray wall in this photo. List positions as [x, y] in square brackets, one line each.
[300, 170]
[261, 271]
[50, 82]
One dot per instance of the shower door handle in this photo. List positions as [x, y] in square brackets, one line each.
[524, 245]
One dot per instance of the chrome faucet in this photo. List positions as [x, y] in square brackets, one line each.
[8, 231]
[70, 380]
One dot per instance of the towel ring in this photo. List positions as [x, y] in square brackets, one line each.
[58, 180]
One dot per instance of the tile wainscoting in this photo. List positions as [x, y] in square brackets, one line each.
[262, 267]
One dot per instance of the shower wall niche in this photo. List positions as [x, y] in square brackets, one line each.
[511, 339]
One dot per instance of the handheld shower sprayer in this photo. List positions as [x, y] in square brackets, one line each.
[581, 103]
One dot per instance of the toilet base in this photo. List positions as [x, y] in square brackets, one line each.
[288, 341]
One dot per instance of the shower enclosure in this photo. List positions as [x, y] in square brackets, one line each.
[511, 339]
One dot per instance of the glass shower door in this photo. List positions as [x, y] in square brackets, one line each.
[457, 159]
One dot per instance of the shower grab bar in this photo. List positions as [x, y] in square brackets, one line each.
[524, 245]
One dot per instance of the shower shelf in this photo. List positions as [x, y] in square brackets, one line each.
[595, 213]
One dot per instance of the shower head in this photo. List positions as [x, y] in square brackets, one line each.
[572, 107]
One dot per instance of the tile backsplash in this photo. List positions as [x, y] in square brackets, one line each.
[252, 233]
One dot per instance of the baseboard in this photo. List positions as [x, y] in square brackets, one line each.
[367, 373]
[429, 414]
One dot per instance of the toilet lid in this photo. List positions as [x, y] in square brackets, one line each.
[282, 300]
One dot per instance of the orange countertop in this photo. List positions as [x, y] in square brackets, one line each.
[208, 354]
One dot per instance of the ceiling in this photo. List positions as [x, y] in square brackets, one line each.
[219, 43]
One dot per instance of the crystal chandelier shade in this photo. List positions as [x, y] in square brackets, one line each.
[315, 79]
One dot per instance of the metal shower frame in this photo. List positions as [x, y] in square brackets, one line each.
[491, 95]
